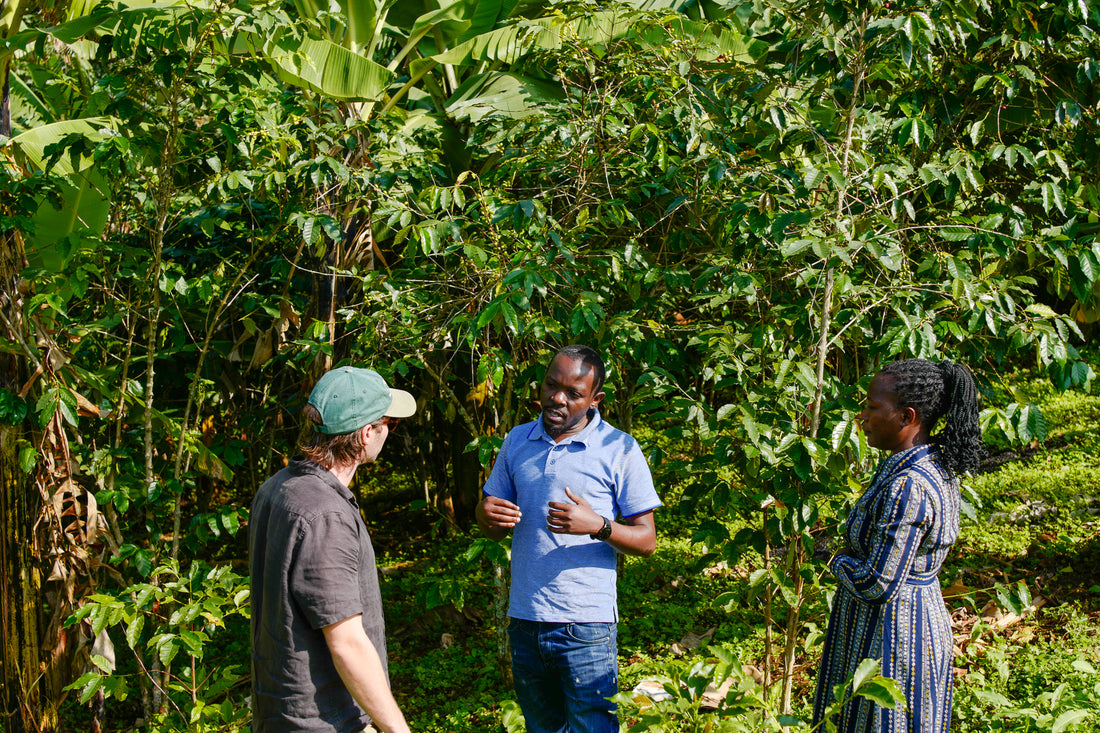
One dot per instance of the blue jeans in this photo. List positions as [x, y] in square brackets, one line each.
[563, 675]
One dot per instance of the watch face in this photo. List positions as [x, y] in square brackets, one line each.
[605, 532]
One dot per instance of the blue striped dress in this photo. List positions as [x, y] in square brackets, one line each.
[888, 604]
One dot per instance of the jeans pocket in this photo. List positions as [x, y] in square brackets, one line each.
[591, 633]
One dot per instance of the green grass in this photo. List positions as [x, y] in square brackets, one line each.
[1008, 677]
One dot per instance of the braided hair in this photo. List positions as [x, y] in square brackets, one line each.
[942, 390]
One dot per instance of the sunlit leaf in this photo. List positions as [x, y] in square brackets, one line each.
[329, 69]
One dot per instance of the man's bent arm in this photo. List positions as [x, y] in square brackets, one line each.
[360, 668]
[635, 535]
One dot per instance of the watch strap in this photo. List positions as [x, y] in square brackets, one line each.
[604, 532]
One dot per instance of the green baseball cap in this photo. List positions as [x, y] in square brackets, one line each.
[350, 397]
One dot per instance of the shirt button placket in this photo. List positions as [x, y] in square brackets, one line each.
[552, 458]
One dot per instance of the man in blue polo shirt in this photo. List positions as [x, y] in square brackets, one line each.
[575, 491]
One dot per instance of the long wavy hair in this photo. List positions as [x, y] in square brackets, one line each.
[330, 450]
[942, 390]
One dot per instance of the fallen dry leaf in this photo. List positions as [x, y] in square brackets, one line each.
[713, 697]
[1023, 634]
[652, 688]
[993, 615]
[692, 640]
[958, 588]
[717, 570]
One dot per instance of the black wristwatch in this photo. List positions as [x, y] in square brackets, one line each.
[604, 532]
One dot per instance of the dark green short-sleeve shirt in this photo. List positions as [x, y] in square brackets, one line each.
[312, 565]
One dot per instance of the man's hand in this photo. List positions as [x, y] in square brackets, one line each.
[500, 513]
[575, 518]
[634, 535]
[497, 516]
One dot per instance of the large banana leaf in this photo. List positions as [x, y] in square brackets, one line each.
[329, 69]
[502, 93]
[506, 45]
[60, 232]
[458, 21]
[30, 146]
[57, 232]
[362, 21]
[28, 102]
[365, 21]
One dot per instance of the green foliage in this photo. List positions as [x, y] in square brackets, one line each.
[511, 717]
[177, 616]
[12, 408]
[1008, 691]
[748, 207]
[745, 707]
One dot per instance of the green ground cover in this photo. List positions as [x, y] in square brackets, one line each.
[1032, 549]
[1023, 585]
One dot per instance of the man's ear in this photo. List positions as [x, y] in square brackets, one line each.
[598, 399]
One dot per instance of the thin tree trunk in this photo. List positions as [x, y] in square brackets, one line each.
[825, 324]
[768, 613]
[21, 583]
[794, 620]
[500, 612]
[21, 598]
[153, 699]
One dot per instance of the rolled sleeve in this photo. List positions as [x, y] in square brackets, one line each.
[636, 493]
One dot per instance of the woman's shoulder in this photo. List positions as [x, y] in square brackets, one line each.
[921, 474]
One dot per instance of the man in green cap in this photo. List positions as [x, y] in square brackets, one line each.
[318, 635]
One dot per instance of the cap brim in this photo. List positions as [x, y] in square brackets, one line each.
[402, 405]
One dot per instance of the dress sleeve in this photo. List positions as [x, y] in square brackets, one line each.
[894, 542]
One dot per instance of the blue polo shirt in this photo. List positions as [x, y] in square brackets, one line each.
[568, 578]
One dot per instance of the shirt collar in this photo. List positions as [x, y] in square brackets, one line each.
[538, 432]
[300, 466]
[902, 460]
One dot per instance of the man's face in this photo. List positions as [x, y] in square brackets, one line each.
[375, 439]
[568, 393]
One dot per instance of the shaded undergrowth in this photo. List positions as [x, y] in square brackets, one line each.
[1035, 538]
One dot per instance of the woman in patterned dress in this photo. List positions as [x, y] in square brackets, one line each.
[888, 604]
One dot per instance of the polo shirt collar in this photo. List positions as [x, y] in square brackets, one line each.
[538, 432]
